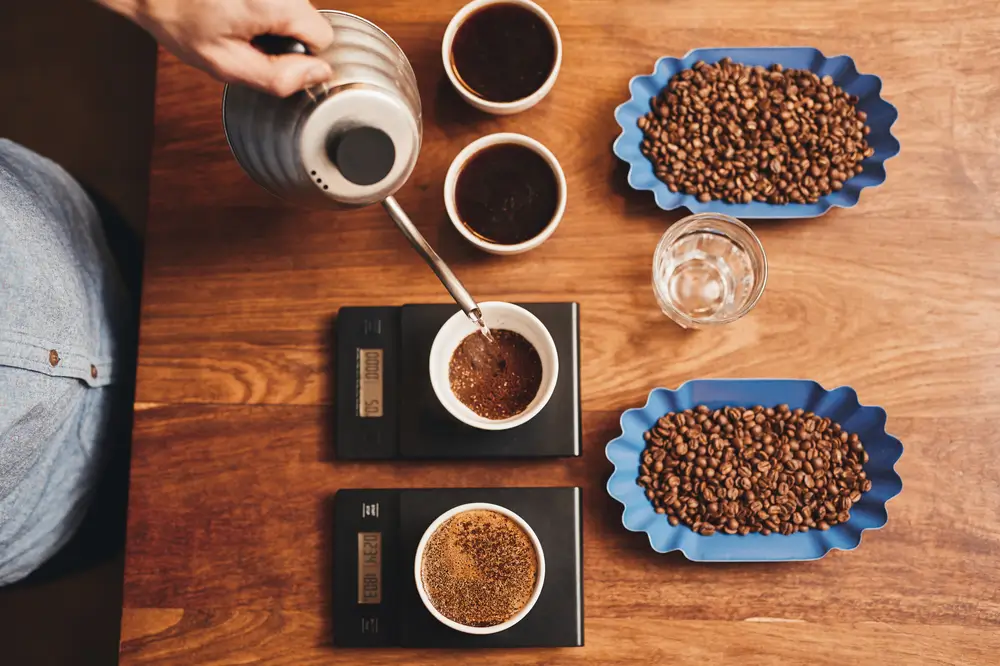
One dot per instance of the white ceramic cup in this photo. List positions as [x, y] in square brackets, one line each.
[451, 182]
[539, 578]
[499, 108]
[497, 316]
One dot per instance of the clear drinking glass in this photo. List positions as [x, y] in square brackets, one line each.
[708, 269]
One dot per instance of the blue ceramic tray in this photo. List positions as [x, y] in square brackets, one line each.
[881, 116]
[841, 405]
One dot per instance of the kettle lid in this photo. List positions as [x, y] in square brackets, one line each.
[359, 143]
[364, 155]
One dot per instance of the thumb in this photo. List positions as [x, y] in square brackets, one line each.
[279, 75]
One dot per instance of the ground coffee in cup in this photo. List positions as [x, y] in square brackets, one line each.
[479, 568]
[496, 380]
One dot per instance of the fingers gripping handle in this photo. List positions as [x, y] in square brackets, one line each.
[278, 45]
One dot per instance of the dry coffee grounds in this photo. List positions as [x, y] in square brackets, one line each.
[479, 568]
[737, 470]
[497, 379]
[741, 134]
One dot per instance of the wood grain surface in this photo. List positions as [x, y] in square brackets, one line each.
[229, 558]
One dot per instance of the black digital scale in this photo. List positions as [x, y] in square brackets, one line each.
[375, 594]
[386, 408]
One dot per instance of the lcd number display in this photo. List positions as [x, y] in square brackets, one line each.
[370, 366]
[369, 567]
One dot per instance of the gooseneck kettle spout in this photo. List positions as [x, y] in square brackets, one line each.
[351, 141]
[420, 244]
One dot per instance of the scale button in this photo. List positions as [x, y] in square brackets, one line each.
[373, 326]
[369, 625]
[369, 510]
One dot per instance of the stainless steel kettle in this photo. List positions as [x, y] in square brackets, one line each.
[349, 142]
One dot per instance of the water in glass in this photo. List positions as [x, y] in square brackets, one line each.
[708, 271]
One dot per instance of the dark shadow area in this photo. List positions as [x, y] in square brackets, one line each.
[125, 244]
[638, 203]
[326, 530]
[327, 445]
[84, 79]
[458, 250]
[451, 110]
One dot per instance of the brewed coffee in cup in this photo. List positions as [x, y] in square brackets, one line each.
[507, 193]
[503, 52]
[479, 568]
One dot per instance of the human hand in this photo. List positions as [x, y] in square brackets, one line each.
[214, 35]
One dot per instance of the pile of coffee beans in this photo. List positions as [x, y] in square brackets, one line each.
[737, 133]
[738, 470]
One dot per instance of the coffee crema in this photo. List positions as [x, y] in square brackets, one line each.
[503, 52]
[506, 194]
[479, 568]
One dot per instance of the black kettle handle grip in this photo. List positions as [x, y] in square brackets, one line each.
[278, 45]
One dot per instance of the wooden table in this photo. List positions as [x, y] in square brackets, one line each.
[228, 543]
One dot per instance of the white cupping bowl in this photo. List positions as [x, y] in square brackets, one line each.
[473, 149]
[539, 577]
[488, 106]
[498, 316]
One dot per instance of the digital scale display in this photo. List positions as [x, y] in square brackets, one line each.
[366, 576]
[369, 567]
[371, 369]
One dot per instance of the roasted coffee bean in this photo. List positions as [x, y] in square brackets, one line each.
[737, 133]
[717, 476]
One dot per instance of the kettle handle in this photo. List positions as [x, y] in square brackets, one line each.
[278, 45]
